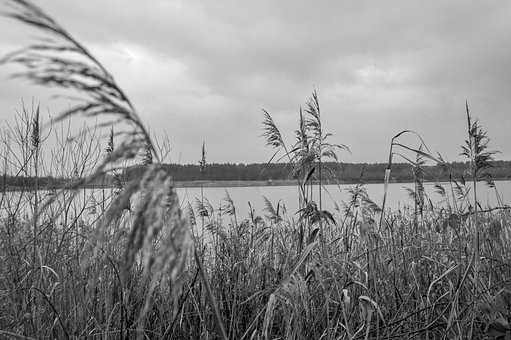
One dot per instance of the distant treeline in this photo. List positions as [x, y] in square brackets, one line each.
[47, 182]
[344, 172]
[17, 182]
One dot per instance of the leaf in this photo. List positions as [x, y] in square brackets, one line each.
[313, 235]
[307, 178]
[367, 301]
[439, 279]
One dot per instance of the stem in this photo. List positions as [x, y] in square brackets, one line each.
[385, 185]
[476, 233]
[211, 297]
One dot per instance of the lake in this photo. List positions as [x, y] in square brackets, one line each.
[397, 195]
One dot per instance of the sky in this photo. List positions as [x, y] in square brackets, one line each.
[204, 70]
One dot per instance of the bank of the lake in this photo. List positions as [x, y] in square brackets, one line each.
[284, 182]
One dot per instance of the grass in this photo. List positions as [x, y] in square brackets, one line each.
[128, 263]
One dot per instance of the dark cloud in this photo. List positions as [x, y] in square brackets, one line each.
[203, 70]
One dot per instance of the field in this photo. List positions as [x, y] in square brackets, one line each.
[134, 265]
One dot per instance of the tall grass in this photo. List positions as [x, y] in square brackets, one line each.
[363, 271]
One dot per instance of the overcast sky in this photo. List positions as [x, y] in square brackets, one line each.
[204, 70]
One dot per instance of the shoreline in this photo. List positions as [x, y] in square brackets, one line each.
[237, 184]
[280, 183]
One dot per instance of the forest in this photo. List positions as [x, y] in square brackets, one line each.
[332, 172]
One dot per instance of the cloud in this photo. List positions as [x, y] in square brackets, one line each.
[203, 70]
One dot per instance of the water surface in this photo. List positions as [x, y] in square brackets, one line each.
[397, 196]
